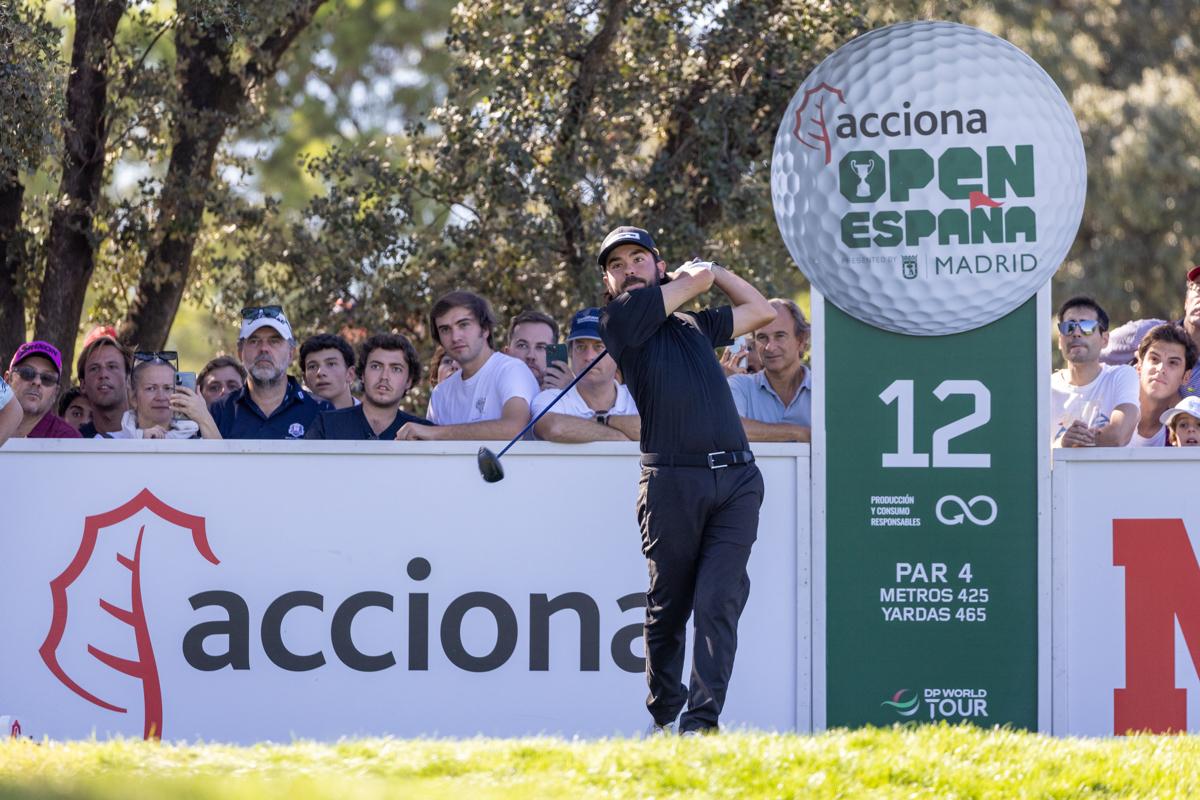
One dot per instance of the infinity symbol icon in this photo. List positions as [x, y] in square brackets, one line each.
[965, 509]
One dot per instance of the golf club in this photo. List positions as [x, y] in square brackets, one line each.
[489, 462]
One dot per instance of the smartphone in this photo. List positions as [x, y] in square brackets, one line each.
[738, 346]
[187, 379]
[556, 352]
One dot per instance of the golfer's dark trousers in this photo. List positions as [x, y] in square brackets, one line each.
[698, 526]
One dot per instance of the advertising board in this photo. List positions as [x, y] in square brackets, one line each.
[241, 592]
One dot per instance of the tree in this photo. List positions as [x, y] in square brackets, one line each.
[28, 95]
[561, 121]
[165, 103]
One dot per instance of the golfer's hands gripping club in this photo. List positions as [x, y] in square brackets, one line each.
[697, 270]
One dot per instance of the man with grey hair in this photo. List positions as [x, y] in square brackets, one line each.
[271, 405]
[775, 404]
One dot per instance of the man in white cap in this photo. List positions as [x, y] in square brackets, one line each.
[1184, 422]
[271, 405]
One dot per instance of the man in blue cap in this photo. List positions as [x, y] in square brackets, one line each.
[700, 491]
[598, 408]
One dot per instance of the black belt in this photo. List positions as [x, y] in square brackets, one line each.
[717, 460]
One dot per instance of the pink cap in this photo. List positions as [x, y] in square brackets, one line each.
[37, 349]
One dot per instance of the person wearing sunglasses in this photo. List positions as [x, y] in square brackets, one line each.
[1092, 404]
[159, 409]
[272, 405]
[34, 374]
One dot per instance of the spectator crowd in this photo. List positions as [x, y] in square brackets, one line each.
[481, 387]
[1134, 385]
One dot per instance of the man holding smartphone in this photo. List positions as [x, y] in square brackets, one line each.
[699, 492]
[598, 408]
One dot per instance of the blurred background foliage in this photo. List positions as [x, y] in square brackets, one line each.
[395, 149]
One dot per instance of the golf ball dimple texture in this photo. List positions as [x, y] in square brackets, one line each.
[951, 286]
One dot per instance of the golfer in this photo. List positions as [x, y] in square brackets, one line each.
[700, 492]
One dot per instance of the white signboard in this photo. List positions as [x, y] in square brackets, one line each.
[1126, 591]
[240, 592]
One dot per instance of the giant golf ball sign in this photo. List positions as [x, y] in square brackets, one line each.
[928, 178]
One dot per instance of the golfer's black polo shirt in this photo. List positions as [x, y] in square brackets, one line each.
[239, 417]
[351, 423]
[674, 376]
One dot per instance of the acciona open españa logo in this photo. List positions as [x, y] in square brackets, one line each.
[928, 178]
[139, 661]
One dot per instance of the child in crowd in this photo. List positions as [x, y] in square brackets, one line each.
[1184, 422]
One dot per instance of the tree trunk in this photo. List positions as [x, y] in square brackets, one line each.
[12, 303]
[564, 200]
[212, 96]
[71, 249]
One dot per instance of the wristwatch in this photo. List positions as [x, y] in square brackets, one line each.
[602, 418]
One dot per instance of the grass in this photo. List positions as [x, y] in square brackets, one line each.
[921, 762]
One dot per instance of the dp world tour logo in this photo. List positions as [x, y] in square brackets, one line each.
[93, 551]
[902, 706]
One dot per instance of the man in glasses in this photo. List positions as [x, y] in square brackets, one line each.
[1125, 340]
[271, 405]
[34, 375]
[1092, 404]
[102, 370]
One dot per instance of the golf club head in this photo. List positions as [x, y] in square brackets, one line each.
[489, 466]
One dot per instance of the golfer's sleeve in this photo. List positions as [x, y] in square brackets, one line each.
[716, 324]
[631, 318]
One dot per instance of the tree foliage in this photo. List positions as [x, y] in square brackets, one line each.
[355, 158]
[561, 121]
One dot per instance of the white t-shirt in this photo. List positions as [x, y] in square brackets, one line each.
[6, 393]
[1157, 440]
[1093, 403]
[574, 405]
[482, 397]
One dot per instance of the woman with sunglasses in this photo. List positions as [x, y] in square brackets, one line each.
[158, 408]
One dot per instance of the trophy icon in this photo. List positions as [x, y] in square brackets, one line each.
[862, 171]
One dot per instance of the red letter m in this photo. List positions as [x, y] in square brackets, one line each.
[1162, 584]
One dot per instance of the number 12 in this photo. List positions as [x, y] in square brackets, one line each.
[900, 392]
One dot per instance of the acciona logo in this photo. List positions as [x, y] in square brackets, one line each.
[111, 624]
[142, 665]
[813, 121]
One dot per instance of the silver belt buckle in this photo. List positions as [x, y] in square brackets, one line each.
[711, 465]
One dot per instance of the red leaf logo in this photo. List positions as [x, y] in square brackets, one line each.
[142, 665]
[812, 128]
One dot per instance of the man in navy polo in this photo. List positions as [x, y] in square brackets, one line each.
[271, 405]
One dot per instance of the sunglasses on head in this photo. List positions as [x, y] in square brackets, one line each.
[31, 375]
[1085, 326]
[164, 356]
[250, 313]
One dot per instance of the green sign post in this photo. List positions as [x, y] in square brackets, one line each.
[929, 178]
[931, 523]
